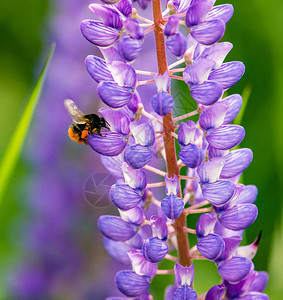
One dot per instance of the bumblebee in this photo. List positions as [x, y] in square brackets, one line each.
[83, 125]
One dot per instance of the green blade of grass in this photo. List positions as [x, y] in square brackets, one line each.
[12, 152]
[245, 95]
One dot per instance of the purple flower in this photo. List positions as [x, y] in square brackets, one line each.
[162, 103]
[98, 33]
[177, 44]
[129, 48]
[124, 197]
[137, 156]
[172, 206]
[131, 284]
[159, 227]
[115, 228]
[213, 173]
[140, 265]
[154, 249]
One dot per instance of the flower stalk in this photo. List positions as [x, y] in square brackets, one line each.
[169, 141]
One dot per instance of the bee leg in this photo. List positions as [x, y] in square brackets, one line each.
[86, 140]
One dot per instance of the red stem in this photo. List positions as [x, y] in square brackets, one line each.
[169, 141]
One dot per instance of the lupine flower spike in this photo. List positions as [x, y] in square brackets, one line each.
[142, 130]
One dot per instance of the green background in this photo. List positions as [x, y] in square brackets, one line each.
[256, 33]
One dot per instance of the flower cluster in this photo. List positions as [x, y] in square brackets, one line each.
[150, 226]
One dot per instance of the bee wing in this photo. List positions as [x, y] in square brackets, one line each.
[74, 112]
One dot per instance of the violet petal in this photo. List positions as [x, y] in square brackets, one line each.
[219, 192]
[228, 74]
[134, 216]
[216, 292]
[172, 206]
[143, 134]
[248, 194]
[207, 93]
[137, 156]
[134, 178]
[185, 292]
[259, 282]
[226, 136]
[223, 12]
[191, 155]
[186, 133]
[107, 15]
[208, 32]
[159, 227]
[177, 44]
[131, 284]
[129, 48]
[124, 197]
[140, 265]
[115, 228]
[205, 224]
[254, 296]
[184, 275]
[117, 120]
[236, 162]
[213, 116]
[154, 250]
[209, 171]
[172, 185]
[110, 144]
[197, 12]
[123, 74]
[235, 269]
[133, 29]
[125, 7]
[97, 69]
[211, 246]
[172, 25]
[198, 72]
[162, 103]
[118, 250]
[235, 104]
[239, 217]
[114, 95]
[217, 53]
[98, 33]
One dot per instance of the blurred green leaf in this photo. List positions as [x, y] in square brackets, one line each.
[246, 95]
[11, 155]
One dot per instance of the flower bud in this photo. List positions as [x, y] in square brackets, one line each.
[177, 44]
[172, 206]
[129, 48]
[191, 155]
[154, 250]
[162, 103]
[172, 25]
[138, 156]
[133, 29]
